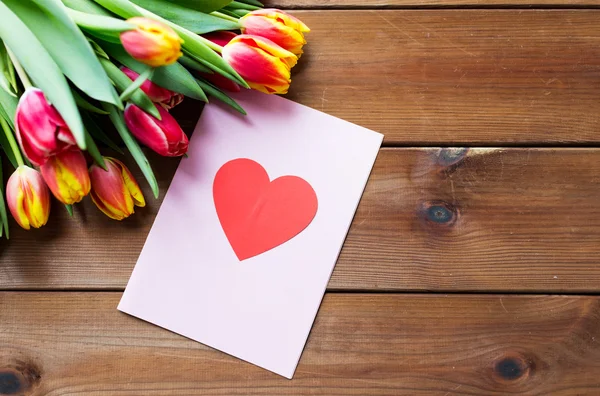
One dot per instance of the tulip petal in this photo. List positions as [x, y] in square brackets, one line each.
[131, 185]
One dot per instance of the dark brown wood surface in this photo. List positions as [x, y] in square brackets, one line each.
[480, 219]
[361, 344]
[515, 86]
[457, 77]
[429, 4]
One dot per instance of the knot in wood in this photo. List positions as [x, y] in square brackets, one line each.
[513, 367]
[448, 156]
[18, 378]
[10, 383]
[439, 213]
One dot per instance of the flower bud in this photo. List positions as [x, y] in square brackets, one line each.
[279, 27]
[28, 198]
[114, 191]
[67, 176]
[41, 131]
[164, 136]
[152, 42]
[263, 64]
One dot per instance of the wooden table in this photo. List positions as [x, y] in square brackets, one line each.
[469, 269]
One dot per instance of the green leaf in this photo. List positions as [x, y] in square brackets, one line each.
[8, 80]
[69, 209]
[42, 69]
[85, 104]
[231, 13]
[100, 23]
[174, 77]
[253, 2]
[8, 104]
[93, 150]
[93, 129]
[133, 146]
[53, 27]
[194, 65]
[220, 95]
[137, 83]
[121, 81]
[199, 22]
[205, 6]
[123, 8]
[98, 50]
[243, 6]
[4, 130]
[3, 215]
[87, 6]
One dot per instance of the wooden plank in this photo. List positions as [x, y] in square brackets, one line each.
[456, 77]
[78, 344]
[370, 4]
[430, 219]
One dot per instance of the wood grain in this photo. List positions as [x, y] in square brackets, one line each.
[371, 4]
[78, 344]
[456, 77]
[431, 219]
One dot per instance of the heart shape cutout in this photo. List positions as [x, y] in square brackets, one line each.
[258, 214]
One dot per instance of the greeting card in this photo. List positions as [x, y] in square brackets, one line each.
[249, 232]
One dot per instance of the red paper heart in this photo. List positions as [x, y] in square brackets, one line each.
[258, 214]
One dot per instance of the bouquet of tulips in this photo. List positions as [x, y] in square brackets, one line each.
[79, 76]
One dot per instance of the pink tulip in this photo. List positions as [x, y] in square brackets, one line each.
[221, 38]
[41, 131]
[114, 191]
[164, 136]
[166, 98]
[28, 197]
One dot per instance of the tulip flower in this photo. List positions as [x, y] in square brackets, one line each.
[221, 38]
[263, 64]
[152, 42]
[166, 98]
[114, 191]
[28, 197]
[67, 176]
[277, 26]
[164, 136]
[41, 131]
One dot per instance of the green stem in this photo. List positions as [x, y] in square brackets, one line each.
[223, 16]
[213, 46]
[22, 75]
[145, 75]
[12, 142]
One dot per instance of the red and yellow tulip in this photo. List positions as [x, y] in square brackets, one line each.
[28, 197]
[166, 98]
[67, 176]
[164, 136]
[279, 27]
[152, 42]
[263, 64]
[41, 131]
[114, 191]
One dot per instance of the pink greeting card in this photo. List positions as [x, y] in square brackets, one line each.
[249, 232]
